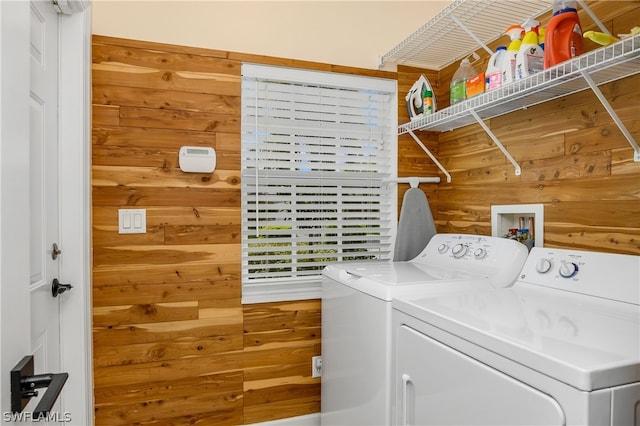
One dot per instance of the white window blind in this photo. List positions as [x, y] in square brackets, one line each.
[316, 149]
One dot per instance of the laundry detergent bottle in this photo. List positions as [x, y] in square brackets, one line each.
[530, 57]
[458, 87]
[493, 74]
[515, 32]
[563, 39]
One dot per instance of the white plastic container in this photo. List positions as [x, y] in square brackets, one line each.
[493, 74]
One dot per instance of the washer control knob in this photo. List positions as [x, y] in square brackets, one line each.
[568, 269]
[480, 253]
[442, 248]
[459, 250]
[544, 266]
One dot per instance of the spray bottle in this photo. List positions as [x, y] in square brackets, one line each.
[515, 32]
[530, 57]
[564, 35]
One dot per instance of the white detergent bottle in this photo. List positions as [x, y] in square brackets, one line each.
[530, 57]
[515, 32]
[493, 74]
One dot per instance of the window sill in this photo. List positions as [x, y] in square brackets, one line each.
[284, 292]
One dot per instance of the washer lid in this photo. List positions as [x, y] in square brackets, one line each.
[386, 279]
[584, 341]
[403, 273]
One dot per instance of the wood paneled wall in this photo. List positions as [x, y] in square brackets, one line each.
[172, 343]
[574, 159]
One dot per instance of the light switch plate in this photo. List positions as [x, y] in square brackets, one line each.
[132, 221]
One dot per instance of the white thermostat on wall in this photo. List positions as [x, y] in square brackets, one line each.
[197, 159]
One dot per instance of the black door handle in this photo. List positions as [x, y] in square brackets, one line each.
[24, 384]
[57, 288]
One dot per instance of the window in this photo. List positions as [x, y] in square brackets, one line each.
[316, 150]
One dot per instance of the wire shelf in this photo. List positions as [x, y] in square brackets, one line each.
[442, 40]
[606, 64]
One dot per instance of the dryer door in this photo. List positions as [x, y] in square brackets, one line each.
[626, 405]
[438, 385]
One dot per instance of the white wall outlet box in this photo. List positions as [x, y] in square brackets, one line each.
[196, 159]
[508, 217]
[132, 221]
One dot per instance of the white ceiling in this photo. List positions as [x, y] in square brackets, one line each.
[349, 32]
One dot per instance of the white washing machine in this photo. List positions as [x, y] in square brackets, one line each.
[356, 315]
[559, 347]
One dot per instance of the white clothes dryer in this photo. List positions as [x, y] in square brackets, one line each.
[356, 315]
[559, 347]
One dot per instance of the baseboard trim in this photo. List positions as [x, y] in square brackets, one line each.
[308, 420]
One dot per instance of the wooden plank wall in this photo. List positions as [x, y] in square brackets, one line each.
[172, 343]
[574, 159]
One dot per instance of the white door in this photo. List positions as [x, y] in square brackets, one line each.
[44, 235]
[44, 116]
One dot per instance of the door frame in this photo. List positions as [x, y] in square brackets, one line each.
[75, 224]
[74, 196]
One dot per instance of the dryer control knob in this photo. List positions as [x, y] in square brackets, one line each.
[459, 250]
[442, 248]
[568, 269]
[544, 266]
[480, 253]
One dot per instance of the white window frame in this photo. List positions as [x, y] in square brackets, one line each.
[298, 127]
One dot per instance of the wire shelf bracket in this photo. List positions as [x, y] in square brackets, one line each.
[433, 158]
[605, 103]
[497, 142]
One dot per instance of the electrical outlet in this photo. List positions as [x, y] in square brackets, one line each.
[316, 366]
